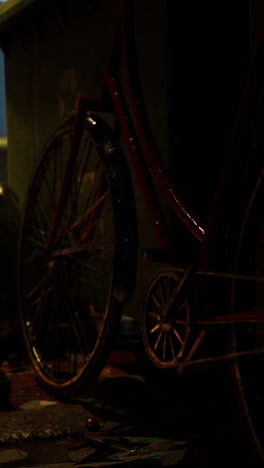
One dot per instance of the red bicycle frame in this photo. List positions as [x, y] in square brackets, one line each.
[123, 43]
[143, 147]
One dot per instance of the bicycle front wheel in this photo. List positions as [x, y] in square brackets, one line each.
[71, 298]
[247, 299]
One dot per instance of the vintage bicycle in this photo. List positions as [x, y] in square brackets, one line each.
[79, 239]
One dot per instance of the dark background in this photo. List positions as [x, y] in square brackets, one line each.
[192, 59]
[209, 50]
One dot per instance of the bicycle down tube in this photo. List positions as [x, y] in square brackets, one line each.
[124, 31]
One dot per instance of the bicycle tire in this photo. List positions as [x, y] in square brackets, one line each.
[70, 300]
[248, 260]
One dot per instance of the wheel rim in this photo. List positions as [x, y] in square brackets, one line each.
[248, 371]
[65, 296]
[165, 339]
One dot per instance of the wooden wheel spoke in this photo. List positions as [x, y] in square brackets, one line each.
[155, 328]
[180, 322]
[171, 346]
[177, 335]
[164, 346]
[155, 300]
[182, 306]
[161, 294]
[154, 314]
[157, 341]
[168, 289]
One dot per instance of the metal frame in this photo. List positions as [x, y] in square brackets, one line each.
[143, 150]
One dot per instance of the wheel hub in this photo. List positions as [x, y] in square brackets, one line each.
[165, 327]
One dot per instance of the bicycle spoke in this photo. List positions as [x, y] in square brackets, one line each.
[92, 225]
[78, 180]
[85, 249]
[36, 325]
[90, 268]
[85, 214]
[50, 192]
[80, 333]
[39, 284]
[92, 283]
[66, 295]
[35, 242]
[95, 196]
[44, 216]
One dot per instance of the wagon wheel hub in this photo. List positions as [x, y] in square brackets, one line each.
[165, 327]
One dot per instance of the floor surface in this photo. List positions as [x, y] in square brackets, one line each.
[134, 415]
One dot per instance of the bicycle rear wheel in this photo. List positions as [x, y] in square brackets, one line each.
[247, 296]
[71, 299]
